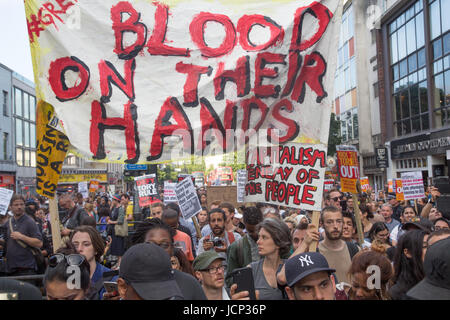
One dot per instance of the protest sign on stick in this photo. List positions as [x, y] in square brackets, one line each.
[147, 189]
[169, 192]
[413, 187]
[365, 186]
[348, 165]
[187, 199]
[294, 180]
[399, 195]
[241, 178]
[83, 189]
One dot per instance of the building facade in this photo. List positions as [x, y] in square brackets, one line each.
[414, 47]
[356, 94]
[7, 163]
[24, 123]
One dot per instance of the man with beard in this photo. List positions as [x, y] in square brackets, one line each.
[218, 240]
[337, 252]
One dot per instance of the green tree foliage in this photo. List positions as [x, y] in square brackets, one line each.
[334, 137]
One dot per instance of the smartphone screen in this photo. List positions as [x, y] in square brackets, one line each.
[110, 286]
[243, 277]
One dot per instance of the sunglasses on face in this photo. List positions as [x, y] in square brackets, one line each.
[335, 199]
[71, 259]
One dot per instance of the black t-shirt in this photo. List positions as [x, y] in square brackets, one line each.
[189, 286]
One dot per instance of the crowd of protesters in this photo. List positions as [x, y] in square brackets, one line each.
[404, 252]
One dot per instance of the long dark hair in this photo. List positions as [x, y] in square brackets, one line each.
[184, 262]
[409, 271]
[377, 227]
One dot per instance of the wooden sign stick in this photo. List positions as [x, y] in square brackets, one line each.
[197, 227]
[54, 222]
[358, 219]
[315, 222]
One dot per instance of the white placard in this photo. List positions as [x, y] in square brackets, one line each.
[187, 199]
[413, 187]
[5, 198]
[83, 189]
[241, 178]
[169, 192]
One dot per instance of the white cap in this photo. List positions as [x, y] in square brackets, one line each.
[237, 215]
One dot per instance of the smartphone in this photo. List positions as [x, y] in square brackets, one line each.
[110, 286]
[243, 277]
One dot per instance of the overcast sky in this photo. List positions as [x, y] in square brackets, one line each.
[15, 48]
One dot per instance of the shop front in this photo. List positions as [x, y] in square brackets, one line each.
[427, 153]
[7, 180]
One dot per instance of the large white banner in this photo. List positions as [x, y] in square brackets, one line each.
[149, 81]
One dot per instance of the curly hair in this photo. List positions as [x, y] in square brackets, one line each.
[147, 225]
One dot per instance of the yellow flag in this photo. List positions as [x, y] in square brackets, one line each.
[52, 146]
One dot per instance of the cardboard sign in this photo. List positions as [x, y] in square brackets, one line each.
[413, 187]
[154, 81]
[169, 192]
[241, 181]
[399, 190]
[365, 186]
[222, 194]
[147, 189]
[51, 149]
[187, 199]
[348, 165]
[5, 199]
[94, 185]
[83, 189]
[295, 180]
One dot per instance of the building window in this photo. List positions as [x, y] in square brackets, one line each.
[25, 128]
[5, 103]
[440, 48]
[5, 145]
[408, 65]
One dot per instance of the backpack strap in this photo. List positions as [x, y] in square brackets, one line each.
[352, 249]
[240, 252]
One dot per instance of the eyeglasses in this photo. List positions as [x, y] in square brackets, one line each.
[71, 259]
[162, 245]
[335, 199]
[215, 270]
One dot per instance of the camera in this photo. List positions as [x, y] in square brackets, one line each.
[218, 242]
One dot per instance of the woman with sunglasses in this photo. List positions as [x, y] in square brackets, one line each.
[60, 273]
[88, 242]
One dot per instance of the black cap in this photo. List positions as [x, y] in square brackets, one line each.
[18, 290]
[436, 285]
[147, 268]
[422, 224]
[304, 264]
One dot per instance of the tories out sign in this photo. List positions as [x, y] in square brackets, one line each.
[294, 180]
[151, 81]
[348, 165]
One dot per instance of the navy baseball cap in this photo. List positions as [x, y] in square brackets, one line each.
[304, 264]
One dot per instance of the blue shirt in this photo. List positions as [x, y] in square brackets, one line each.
[98, 275]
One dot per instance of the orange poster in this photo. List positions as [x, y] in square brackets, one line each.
[348, 165]
[365, 186]
[399, 190]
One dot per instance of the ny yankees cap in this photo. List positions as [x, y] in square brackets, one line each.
[304, 264]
